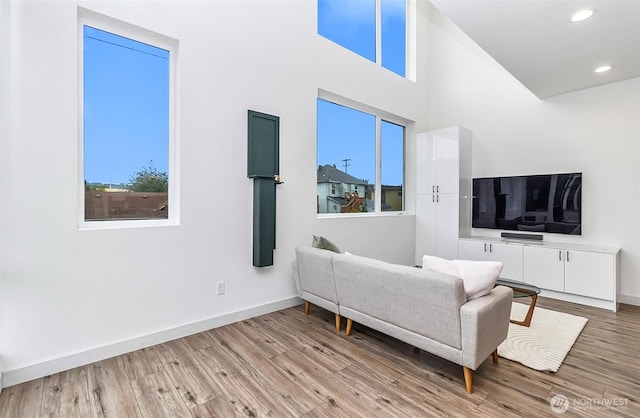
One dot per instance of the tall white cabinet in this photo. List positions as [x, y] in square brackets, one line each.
[443, 191]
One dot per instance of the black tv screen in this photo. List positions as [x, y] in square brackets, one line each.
[539, 203]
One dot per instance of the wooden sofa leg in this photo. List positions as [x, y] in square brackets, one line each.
[337, 322]
[307, 305]
[495, 356]
[349, 325]
[468, 379]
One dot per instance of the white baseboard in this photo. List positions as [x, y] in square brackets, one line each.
[36, 371]
[629, 300]
[583, 300]
[598, 303]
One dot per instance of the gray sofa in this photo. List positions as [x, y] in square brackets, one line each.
[313, 272]
[425, 309]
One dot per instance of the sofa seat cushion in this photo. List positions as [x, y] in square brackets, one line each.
[479, 277]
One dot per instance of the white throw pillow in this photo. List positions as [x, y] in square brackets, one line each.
[440, 265]
[479, 276]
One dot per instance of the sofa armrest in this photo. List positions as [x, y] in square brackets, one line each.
[484, 325]
[296, 278]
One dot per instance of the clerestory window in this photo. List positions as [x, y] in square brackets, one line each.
[374, 29]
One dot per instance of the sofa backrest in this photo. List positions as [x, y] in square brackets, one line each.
[420, 301]
[315, 272]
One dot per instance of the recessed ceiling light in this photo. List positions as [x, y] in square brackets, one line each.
[603, 68]
[581, 15]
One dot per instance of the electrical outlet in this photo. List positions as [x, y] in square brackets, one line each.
[220, 288]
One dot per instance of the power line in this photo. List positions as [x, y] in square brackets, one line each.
[127, 47]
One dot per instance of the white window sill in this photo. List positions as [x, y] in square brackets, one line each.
[360, 215]
[125, 224]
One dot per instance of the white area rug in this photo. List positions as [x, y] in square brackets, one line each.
[545, 344]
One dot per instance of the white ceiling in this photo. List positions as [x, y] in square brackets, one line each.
[537, 43]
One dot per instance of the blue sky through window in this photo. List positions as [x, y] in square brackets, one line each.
[392, 154]
[394, 27]
[350, 23]
[126, 107]
[347, 134]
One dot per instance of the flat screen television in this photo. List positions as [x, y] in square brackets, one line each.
[540, 203]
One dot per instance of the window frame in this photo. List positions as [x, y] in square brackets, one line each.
[108, 24]
[380, 115]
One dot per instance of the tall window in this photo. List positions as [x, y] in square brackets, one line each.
[127, 108]
[374, 29]
[360, 160]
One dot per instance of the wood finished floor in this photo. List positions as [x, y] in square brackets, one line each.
[287, 365]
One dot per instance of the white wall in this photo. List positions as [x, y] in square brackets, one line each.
[70, 296]
[5, 120]
[594, 131]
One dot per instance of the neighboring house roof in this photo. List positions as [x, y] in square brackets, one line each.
[329, 173]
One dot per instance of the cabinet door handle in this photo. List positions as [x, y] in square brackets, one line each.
[490, 247]
[433, 188]
[559, 255]
[437, 198]
[485, 247]
[433, 198]
[567, 256]
[437, 189]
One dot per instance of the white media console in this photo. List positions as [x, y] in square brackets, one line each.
[584, 274]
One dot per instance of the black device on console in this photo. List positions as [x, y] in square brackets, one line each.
[548, 203]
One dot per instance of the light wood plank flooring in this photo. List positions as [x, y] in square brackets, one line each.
[286, 364]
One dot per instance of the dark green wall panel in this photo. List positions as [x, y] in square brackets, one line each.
[263, 165]
[264, 221]
[264, 147]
